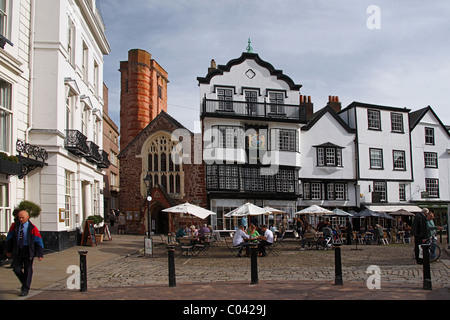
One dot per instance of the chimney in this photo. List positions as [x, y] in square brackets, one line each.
[333, 102]
[213, 66]
[305, 101]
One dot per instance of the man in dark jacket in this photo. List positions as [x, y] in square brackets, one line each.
[24, 243]
[419, 231]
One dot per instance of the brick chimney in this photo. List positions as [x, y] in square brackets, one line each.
[213, 66]
[305, 101]
[333, 102]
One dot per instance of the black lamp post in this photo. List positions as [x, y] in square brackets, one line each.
[147, 181]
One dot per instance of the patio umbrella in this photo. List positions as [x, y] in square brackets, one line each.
[340, 213]
[191, 209]
[248, 209]
[402, 212]
[314, 209]
[368, 213]
[273, 210]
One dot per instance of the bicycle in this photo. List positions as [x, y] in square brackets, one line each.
[434, 251]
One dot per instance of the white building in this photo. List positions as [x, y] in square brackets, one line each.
[328, 173]
[431, 161]
[15, 73]
[66, 116]
[383, 154]
[251, 119]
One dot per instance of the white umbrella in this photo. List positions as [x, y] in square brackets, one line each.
[340, 213]
[314, 209]
[248, 209]
[192, 209]
[273, 210]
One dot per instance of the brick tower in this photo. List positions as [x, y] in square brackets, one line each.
[143, 93]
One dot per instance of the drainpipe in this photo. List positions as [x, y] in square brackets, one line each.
[31, 81]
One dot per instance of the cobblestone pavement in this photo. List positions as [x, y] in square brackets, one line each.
[118, 270]
[395, 262]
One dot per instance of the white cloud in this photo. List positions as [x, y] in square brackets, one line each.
[323, 45]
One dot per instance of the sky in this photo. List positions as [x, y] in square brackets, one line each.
[391, 53]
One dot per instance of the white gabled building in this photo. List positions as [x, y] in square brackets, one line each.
[66, 112]
[328, 173]
[383, 155]
[251, 119]
[15, 73]
[431, 161]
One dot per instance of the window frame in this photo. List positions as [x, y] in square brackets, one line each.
[401, 128]
[430, 139]
[427, 162]
[371, 159]
[432, 190]
[285, 140]
[394, 161]
[7, 119]
[372, 123]
[383, 192]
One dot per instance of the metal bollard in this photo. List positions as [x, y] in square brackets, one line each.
[254, 263]
[337, 265]
[172, 276]
[426, 267]
[83, 271]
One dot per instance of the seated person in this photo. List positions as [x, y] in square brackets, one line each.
[309, 236]
[181, 233]
[238, 239]
[201, 233]
[265, 240]
[253, 233]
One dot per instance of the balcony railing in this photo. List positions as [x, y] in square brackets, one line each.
[269, 111]
[93, 154]
[105, 161]
[76, 142]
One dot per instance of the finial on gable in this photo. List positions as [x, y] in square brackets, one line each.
[249, 47]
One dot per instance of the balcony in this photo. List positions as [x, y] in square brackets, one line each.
[105, 161]
[76, 142]
[253, 110]
[93, 155]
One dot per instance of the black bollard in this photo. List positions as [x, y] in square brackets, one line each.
[83, 271]
[254, 263]
[337, 265]
[426, 267]
[172, 277]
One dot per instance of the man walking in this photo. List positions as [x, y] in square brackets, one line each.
[420, 232]
[24, 243]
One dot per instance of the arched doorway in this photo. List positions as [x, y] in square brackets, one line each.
[160, 219]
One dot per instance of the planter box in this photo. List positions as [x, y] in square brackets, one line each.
[10, 167]
[99, 237]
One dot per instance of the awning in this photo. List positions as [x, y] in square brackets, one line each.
[410, 208]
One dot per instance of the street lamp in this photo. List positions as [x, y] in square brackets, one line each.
[147, 181]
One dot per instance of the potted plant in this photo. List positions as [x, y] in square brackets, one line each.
[32, 208]
[10, 165]
[97, 220]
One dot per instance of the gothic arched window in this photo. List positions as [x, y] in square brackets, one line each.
[161, 167]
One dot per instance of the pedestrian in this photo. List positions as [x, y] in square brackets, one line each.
[431, 233]
[122, 224]
[24, 243]
[349, 231]
[112, 218]
[419, 231]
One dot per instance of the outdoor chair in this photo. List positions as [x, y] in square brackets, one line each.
[187, 247]
[271, 249]
[233, 249]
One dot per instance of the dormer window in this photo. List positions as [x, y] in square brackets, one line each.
[329, 155]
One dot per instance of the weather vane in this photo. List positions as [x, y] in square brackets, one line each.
[249, 47]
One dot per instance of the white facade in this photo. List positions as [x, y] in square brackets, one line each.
[15, 17]
[431, 154]
[251, 120]
[383, 152]
[328, 172]
[67, 103]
